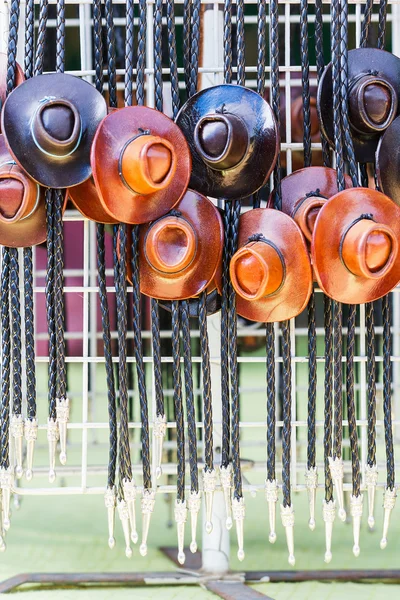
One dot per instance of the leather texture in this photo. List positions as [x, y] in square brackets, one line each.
[19, 78]
[86, 199]
[116, 187]
[340, 271]
[21, 112]
[388, 162]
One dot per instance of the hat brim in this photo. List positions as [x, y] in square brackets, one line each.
[19, 111]
[292, 297]
[388, 162]
[116, 130]
[191, 281]
[332, 275]
[360, 60]
[19, 78]
[86, 199]
[253, 171]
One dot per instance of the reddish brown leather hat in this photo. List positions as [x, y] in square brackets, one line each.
[271, 270]
[179, 253]
[49, 123]
[388, 162]
[85, 198]
[19, 78]
[304, 192]
[355, 246]
[22, 205]
[141, 164]
[233, 139]
[374, 81]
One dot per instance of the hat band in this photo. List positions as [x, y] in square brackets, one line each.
[46, 142]
[10, 175]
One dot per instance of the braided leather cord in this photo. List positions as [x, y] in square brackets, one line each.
[29, 38]
[158, 84]
[319, 52]
[190, 410]
[261, 42]
[371, 368]
[12, 44]
[59, 301]
[328, 324]
[51, 324]
[41, 36]
[111, 57]
[274, 56]
[228, 41]
[98, 46]
[271, 405]
[186, 32]
[226, 430]
[141, 52]
[387, 393]
[194, 47]
[16, 332]
[351, 409]
[337, 121]
[129, 51]
[206, 375]
[337, 380]
[366, 23]
[382, 24]
[305, 80]
[60, 41]
[178, 404]
[173, 62]
[241, 60]
[287, 413]
[5, 367]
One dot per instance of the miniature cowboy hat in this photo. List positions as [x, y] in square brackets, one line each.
[179, 253]
[22, 205]
[388, 162]
[86, 199]
[141, 164]
[19, 78]
[304, 192]
[49, 123]
[374, 80]
[355, 246]
[233, 139]
[271, 270]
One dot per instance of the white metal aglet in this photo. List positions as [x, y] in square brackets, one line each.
[110, 500]
[328, 516]
[6, 481]
[129, 488]
[62, 411]
[312, 484]
[52, 438]
[389, 500]
[225, 475]
[194, 505]
[209, 483]
[371, 479]
[159, 430]
[124, 517]
[337, 473]
[180, 519]
[17, 434]
[30, 432]
[271, 495]
[148, 501]
[287, 516]
[239, 513]
[356, 509]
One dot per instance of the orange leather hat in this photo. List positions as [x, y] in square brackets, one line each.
[19, 78]
[387, 162]
[141, 164]
[233, 139]
[304, 192]
[86, 199]
[271, 270]
[179, 253]
[355, 246]
[22, 205]
[49, 122]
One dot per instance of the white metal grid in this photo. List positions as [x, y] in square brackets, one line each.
[88, 420]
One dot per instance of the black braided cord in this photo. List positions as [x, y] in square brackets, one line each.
[319, 52]
[287, 413]
[366, 23]
[129, 51]
[41, 36]
[59, 301]
[16, 332]
[6, 355]
[351, 411]
[328, 386]
[241, 60]
[275, 89]
[60, 37]
[158, 84]
[111, 56]
[206, 376]
[371, 388]
[178, 404]
[49, 291]
[387, 393]
[141, 53]
[29, 38]
[228, 41]
[305, 80]
[226, 429]
[382, 24]
[186, 32]
[271, 404]
[194, 47]
[173, 61]
[261, 43]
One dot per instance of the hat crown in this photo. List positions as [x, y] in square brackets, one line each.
[369, 249]
[170, 244]
[12, 194]
[257, 270]
[148, 164]
[306, 213]
[18, 194]
[372, 104]
[56, 127]
[222, 140]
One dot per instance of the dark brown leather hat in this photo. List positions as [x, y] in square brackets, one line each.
[271, 270]
[374, 83]
[19, 78]
[22, 205]
[141, 164]
[304, 192]
[179, 253]
[49, 123]
[388, 162]
[355, 246]
[233, 139]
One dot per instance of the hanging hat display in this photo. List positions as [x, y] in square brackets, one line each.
[355, 246]
[374, 82]
[22, 205]
[233, 139]
[304, 192]
[388, 162]
[86, 199]
[271, 270]
[179, 253]
[19, 78]
[49, 123]
[141, 164]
